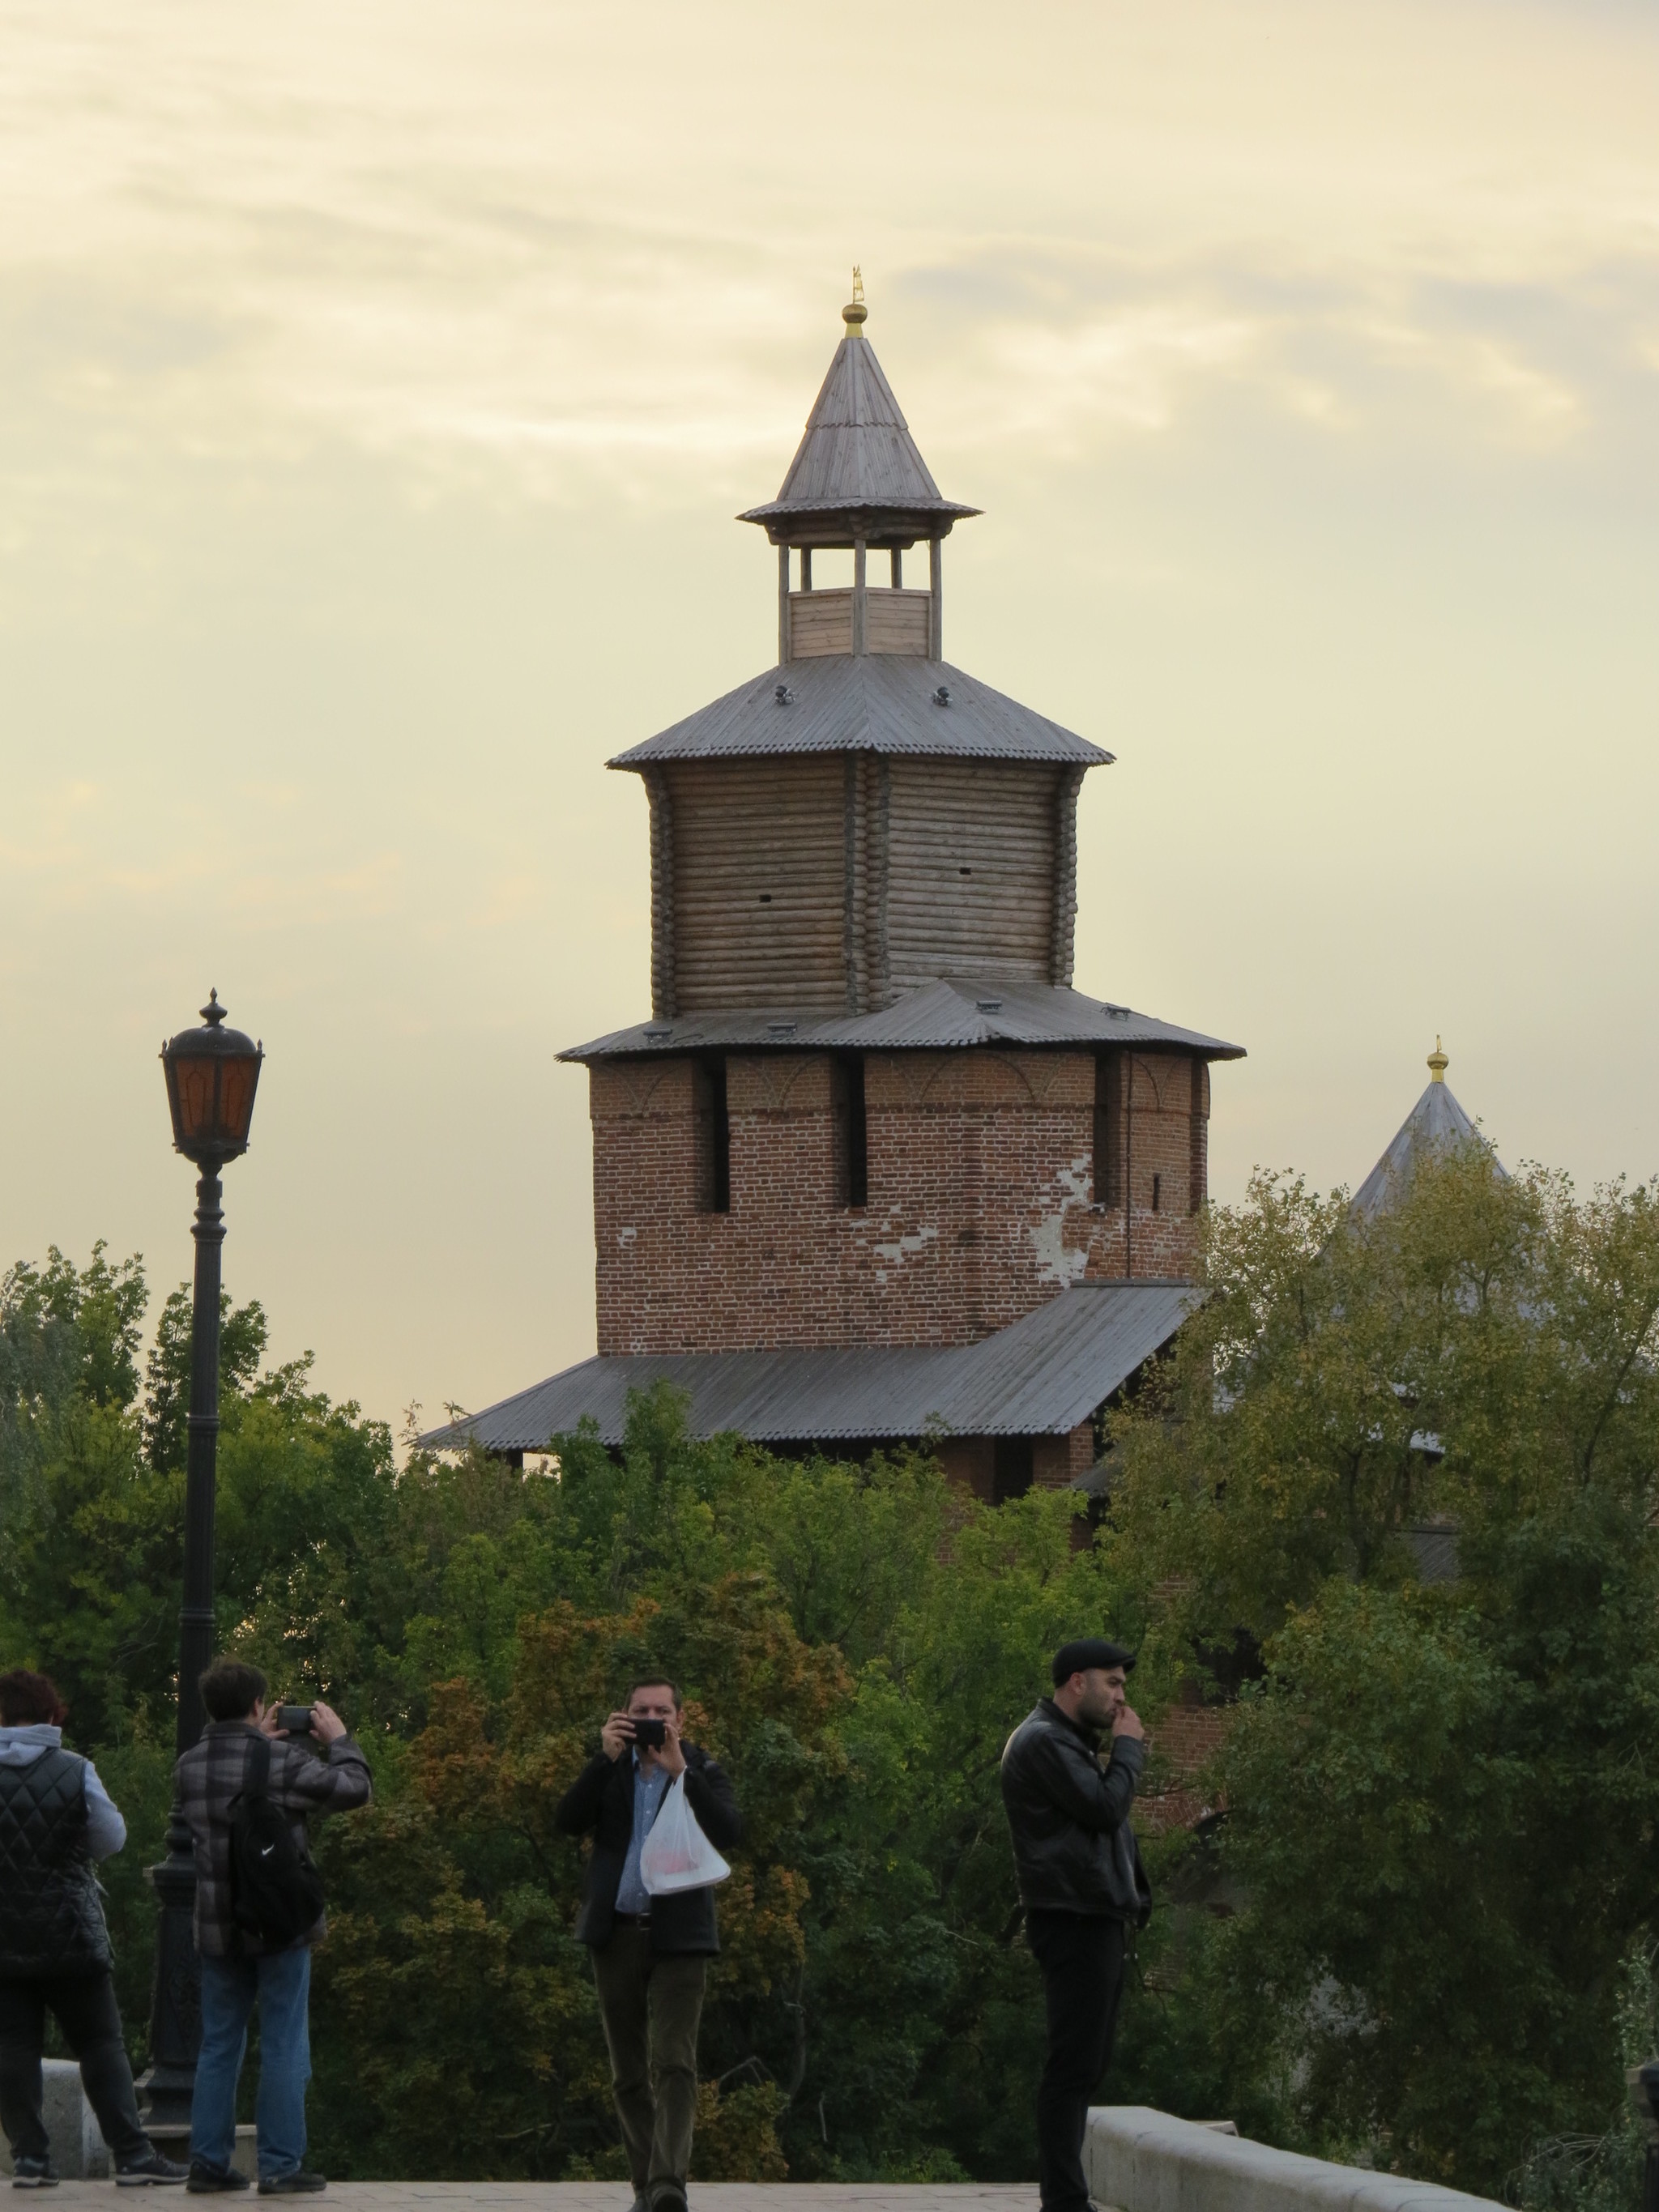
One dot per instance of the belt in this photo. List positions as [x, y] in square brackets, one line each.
[633, 1919]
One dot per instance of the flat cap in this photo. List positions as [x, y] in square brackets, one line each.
[1086, 1651]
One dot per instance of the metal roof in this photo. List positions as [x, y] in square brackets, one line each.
[882, 703]
[950, 1013]
[1435, 1124]
[1040, 1376]
[856, 452]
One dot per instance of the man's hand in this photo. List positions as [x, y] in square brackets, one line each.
[325, 1723]
[671, 1758]
[265, 1718]
[1129, 1723]
[617, 1735]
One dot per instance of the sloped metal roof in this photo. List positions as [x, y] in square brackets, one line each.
[882, 703]
[1435, 1124]
[856, 452]
[1040, 1376]
[953, 1011]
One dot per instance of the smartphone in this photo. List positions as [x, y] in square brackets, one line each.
[653, 1733]
[296, 1719]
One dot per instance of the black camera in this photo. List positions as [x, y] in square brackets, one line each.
[296, 1719]
[652, 1733]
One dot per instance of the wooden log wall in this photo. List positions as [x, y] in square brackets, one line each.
[1062, 950]
[758, 882]
[821, 623]
[833, 882]
[971, 862]
[662, 893]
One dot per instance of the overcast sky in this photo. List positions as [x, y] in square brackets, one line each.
[381, 382]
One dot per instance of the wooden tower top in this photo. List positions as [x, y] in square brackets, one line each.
[857, 475]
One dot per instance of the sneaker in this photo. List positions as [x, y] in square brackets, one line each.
[211, 2180]
[150, 2172]
[33, 2174]
[297, 2183]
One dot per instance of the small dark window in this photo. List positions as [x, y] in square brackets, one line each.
[851, 1131]
[1158, 1193]
[712, 1137]
[1109, 1130]
[1010, 1469]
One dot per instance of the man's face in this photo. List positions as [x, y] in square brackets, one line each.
[1103, 1696]
[653, 1701]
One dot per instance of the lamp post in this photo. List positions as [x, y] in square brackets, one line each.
[212, 1073]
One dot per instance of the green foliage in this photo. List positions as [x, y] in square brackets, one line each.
[1442, 1803]
[856, 1642]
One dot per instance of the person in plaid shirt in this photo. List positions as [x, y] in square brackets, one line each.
[238, 1970]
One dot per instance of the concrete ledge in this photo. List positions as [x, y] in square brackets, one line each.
[1144, 2160]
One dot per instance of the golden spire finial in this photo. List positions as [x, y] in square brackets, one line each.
[855, 314]
[1437, 1063]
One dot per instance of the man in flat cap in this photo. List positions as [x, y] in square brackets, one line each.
[1080, 1881]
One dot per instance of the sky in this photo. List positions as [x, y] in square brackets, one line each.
[379, 384]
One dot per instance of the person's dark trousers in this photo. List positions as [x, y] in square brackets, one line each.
[1081, 1956]
[86, 2010]
[650, 2008]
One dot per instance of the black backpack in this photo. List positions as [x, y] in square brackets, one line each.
[276, 1892]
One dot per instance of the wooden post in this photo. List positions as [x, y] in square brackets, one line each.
[896, 559]
[860, 599]
[783, 604]
[806, 567]
[935, 601]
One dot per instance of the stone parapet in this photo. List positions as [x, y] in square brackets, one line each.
[1142, 2161]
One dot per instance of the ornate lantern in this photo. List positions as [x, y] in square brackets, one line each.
[212, 1074]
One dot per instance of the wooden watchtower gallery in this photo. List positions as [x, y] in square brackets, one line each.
[874, 1168]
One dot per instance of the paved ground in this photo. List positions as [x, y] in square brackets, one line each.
[573, 2196]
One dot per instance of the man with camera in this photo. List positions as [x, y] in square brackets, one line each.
[245, 1789]
[1080, 1881]
[650, 1954]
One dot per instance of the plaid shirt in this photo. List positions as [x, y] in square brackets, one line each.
[212, 1772]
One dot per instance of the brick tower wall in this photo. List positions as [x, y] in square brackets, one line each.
[980, 1205]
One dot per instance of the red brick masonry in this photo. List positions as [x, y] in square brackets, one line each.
[981, 1198]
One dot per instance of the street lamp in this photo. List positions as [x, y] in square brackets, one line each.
[212, 1074]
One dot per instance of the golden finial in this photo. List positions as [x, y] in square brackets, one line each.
[1437, 1063]
[854, 315]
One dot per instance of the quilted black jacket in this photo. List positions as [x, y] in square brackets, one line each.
[51, 1917]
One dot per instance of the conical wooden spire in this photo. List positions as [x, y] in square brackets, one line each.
[857, 473]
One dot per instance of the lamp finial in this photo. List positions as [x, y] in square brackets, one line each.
[213, 1013]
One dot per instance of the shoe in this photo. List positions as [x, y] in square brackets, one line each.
[668, 2198]
[213, 2180]
[33, 2174]
[152, 2171]
[297, 2183]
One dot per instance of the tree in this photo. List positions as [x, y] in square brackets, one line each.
[1440, 1807]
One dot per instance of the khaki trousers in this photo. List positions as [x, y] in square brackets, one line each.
[650, 2008]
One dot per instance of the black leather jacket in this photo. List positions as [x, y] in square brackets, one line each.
[1074, 1850]
[600, 1801]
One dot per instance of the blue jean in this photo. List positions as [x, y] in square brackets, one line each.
[282, 1986]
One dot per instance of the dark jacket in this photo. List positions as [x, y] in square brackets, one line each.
[51, 1917]
[1074, 1850]
[213, 1773]
[600, 1801]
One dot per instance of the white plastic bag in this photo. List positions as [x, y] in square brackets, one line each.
[677, 1855]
